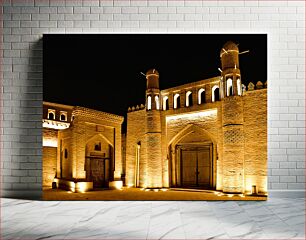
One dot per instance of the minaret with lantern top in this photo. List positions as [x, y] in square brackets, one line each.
[153, 131]
[232, 119]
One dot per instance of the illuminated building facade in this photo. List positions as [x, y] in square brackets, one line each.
[81, 148]
[209, 134]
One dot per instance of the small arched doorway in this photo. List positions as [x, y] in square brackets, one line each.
[98, 163]
[192, 159]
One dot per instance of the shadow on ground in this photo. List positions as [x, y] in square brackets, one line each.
[132, 194]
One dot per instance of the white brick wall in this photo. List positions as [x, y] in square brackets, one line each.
[24, 22]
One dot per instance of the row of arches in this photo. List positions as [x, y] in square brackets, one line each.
[177, 99]
[215, 96]
[52, 114]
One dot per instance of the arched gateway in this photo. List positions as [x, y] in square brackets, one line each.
[218, 142]
[192, 156]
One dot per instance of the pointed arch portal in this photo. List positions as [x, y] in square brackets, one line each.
[192, 154]
[99, 152]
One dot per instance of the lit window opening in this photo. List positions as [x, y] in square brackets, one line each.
[51, 114]
[149, 102]
[63, 116]
[239, 86]
[229, 87]
[215, 93]
[176, 102]
[157, 102]
[188, 99]
[201, 96]
[165, 103]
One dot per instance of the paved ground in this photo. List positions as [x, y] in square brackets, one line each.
[131, 194]
[276, 218]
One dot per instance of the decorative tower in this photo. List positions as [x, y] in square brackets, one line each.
[232, 120]
[153, 131]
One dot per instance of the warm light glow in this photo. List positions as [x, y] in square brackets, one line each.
[81, 187]
[213, 93]
[71, 186]
[130, 185]
[157, 102]
[193, 115]
[259, 181]
[187, 98]
[164, 189]
[118, 185]
[149, 103]
[199, 95]
[55, 124]
[155, 190]
[229, 84]
[49, 142]
[230, 195]
[239, 86]
[165, 102]
[137, 166]
[175, 103]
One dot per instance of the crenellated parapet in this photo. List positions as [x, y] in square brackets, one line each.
[137, 108]
[251, 86]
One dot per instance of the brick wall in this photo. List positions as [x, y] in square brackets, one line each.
[49, 165]
[24, 22]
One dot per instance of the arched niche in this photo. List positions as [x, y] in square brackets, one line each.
[176, 101]
[201, 96]
[99, 153]
[165, 103]
[192, 156]
[215, 94]
[189, 99]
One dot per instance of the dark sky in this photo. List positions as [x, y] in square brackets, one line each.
[102, 71]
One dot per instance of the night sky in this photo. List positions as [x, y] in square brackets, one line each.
[102, 71]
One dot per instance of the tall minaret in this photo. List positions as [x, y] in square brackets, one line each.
[153, 131]
[232, 120]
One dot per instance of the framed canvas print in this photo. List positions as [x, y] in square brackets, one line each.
[155, 117]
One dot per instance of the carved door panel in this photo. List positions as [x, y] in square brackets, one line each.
[195, 167]
[189, 162]
[203, 166]
[97, 172]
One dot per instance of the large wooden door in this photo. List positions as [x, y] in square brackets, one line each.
[195, 166]
[98, 169]
[204, 168]
[189, 165]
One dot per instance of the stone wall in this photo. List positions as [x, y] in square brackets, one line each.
[153, 145]
[50, 143]
[50, 137]
[255, 129]
[135, 134]
[49, 165]
[64, 169]
[233, 144]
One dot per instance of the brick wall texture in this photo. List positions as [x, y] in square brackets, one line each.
[24, 22]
